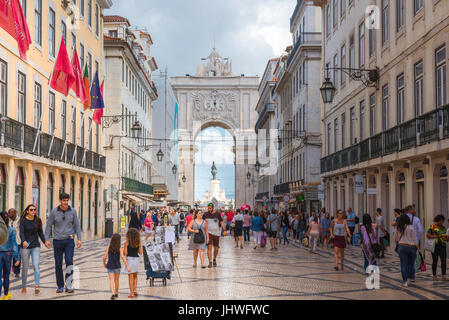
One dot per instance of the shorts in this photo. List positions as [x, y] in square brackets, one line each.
[271, 234]
[214, 240]
[114, 271]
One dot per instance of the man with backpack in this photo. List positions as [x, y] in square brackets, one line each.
[351, 223]
[273, 226]
[182, 221]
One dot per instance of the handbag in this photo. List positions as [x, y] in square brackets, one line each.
[198, 238]
[376, 247]
[420, 263]
[429, 245]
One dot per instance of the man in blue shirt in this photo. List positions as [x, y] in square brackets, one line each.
[351, 223]
[417, 227]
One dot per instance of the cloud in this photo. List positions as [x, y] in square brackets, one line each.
[215, 145]
[249, 32]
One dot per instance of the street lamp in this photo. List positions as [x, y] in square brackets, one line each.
[248, 175]
[184, 179]
[257, 166]
[136, 129]
[174, 169]
[328, 91]
[160, 154]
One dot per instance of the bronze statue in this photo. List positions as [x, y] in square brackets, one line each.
[214, 171]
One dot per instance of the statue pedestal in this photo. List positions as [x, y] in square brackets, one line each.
[214, 189]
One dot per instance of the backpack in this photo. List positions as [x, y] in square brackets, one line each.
[181, 216]
[357, 220]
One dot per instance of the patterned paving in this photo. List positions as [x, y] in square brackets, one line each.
[289, 273]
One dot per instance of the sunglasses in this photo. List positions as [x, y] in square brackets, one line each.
[31, 209]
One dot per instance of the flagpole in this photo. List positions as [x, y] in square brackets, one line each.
[88, 134]
[76, 146]
[39, 130]
[54, 131]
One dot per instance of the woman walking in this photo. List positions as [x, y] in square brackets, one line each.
[30, 226]
[437, 231]
[7, 252]
[132, 251]
[314, 232]
[285, 225]
[407, 247]
[237, 223]
[257, 226]
[197, 243]
[370, 240]
[325, 226]
[113, 254]
[339, 232]
[295, 227]
[149, 225]
[302, 226]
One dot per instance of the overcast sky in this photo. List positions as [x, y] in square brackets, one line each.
[249, 32]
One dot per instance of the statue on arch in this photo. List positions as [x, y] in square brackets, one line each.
[214, 171]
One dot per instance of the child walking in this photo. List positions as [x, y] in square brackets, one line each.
[133, 249]
[113, 254]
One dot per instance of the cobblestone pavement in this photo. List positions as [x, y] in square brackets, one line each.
[289, 273]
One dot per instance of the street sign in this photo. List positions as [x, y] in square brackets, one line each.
[359, 186]
[321, 192]
[122, 223]
[371, 191]
[286, 198]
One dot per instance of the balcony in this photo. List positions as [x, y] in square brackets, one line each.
[269, 107]
[407, 132]
[136, 186]
[364, 150]
[429, 127]
[21, 137]
[298, 5]
[282, 188]
[260, 196]
[305, 38]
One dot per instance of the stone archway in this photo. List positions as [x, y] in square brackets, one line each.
[217, 97]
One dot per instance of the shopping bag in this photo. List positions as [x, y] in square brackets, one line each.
[429, 245]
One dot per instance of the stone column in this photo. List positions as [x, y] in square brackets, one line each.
[44, 195]
[10, 183]
[28, 172]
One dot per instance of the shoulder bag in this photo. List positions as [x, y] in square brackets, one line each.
[198, 238]
[429, 244]
[376, 247]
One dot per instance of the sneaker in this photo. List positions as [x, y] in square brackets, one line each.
[7, 297]
[434, 278]
[69, 290]
[275, 248]
[210, 265]
[215, 263]
[59, 290]
[405, 284]
[412, 280]
[37, 290]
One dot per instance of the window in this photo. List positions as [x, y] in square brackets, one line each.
[21, 95]
[335, 135]
[351, 52]
[400, 99]
[82, 8]
[328, 21]
[342, 7]
[89, 61]
[51, 113]
[97, 21]
[73, 124]
[23, 3]
[64, 120]
[362, 120]
[362, 44]
[351, 127]
[73, 43]
[82, 129]
[82, 57]
[385, 107]
[343, 130]
[329, 138]
[440, 73]
[97, 138]
[335, 70]
[89, 13]
[385, 22]
[343, 64]
[372, 115]
[419, 89]
[64, 32]
[52, 33]
[372, 36]
[90, 133]
[335, 12]
[3, 87]
[417, 5]
[38, 22]
[399, 14]
[37, 104]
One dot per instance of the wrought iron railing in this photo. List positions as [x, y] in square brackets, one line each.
[429, 128]
[136, 186]
[391, 141]
[364, 150]
[376, 146]
[354, 155]
[407, 135]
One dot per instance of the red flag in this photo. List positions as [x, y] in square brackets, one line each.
[78, 85]
[98, 114]
[63, 76]
[13, 21]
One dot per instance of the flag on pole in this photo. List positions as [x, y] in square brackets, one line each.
[13, 21]
[78, 85]
[87, 101]
[95, 94]
[98, 114]
[63, 76]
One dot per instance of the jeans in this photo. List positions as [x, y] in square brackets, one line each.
[351, 229]
[64, 248]
[35, 257]
[301, 234]
[407, 256]
[5, 271]
[366, 264]
[439, 252]
[284, 234]
[246, 234]
[181, 226]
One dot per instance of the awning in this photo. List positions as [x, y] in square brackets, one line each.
[132, 198]
[144, 198]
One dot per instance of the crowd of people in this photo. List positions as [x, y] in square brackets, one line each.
[21, 237]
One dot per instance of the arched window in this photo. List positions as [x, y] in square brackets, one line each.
[72, 191]
[2, 188]
[19, 192]
[62, 184]
[50, 193]
[36, 190]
